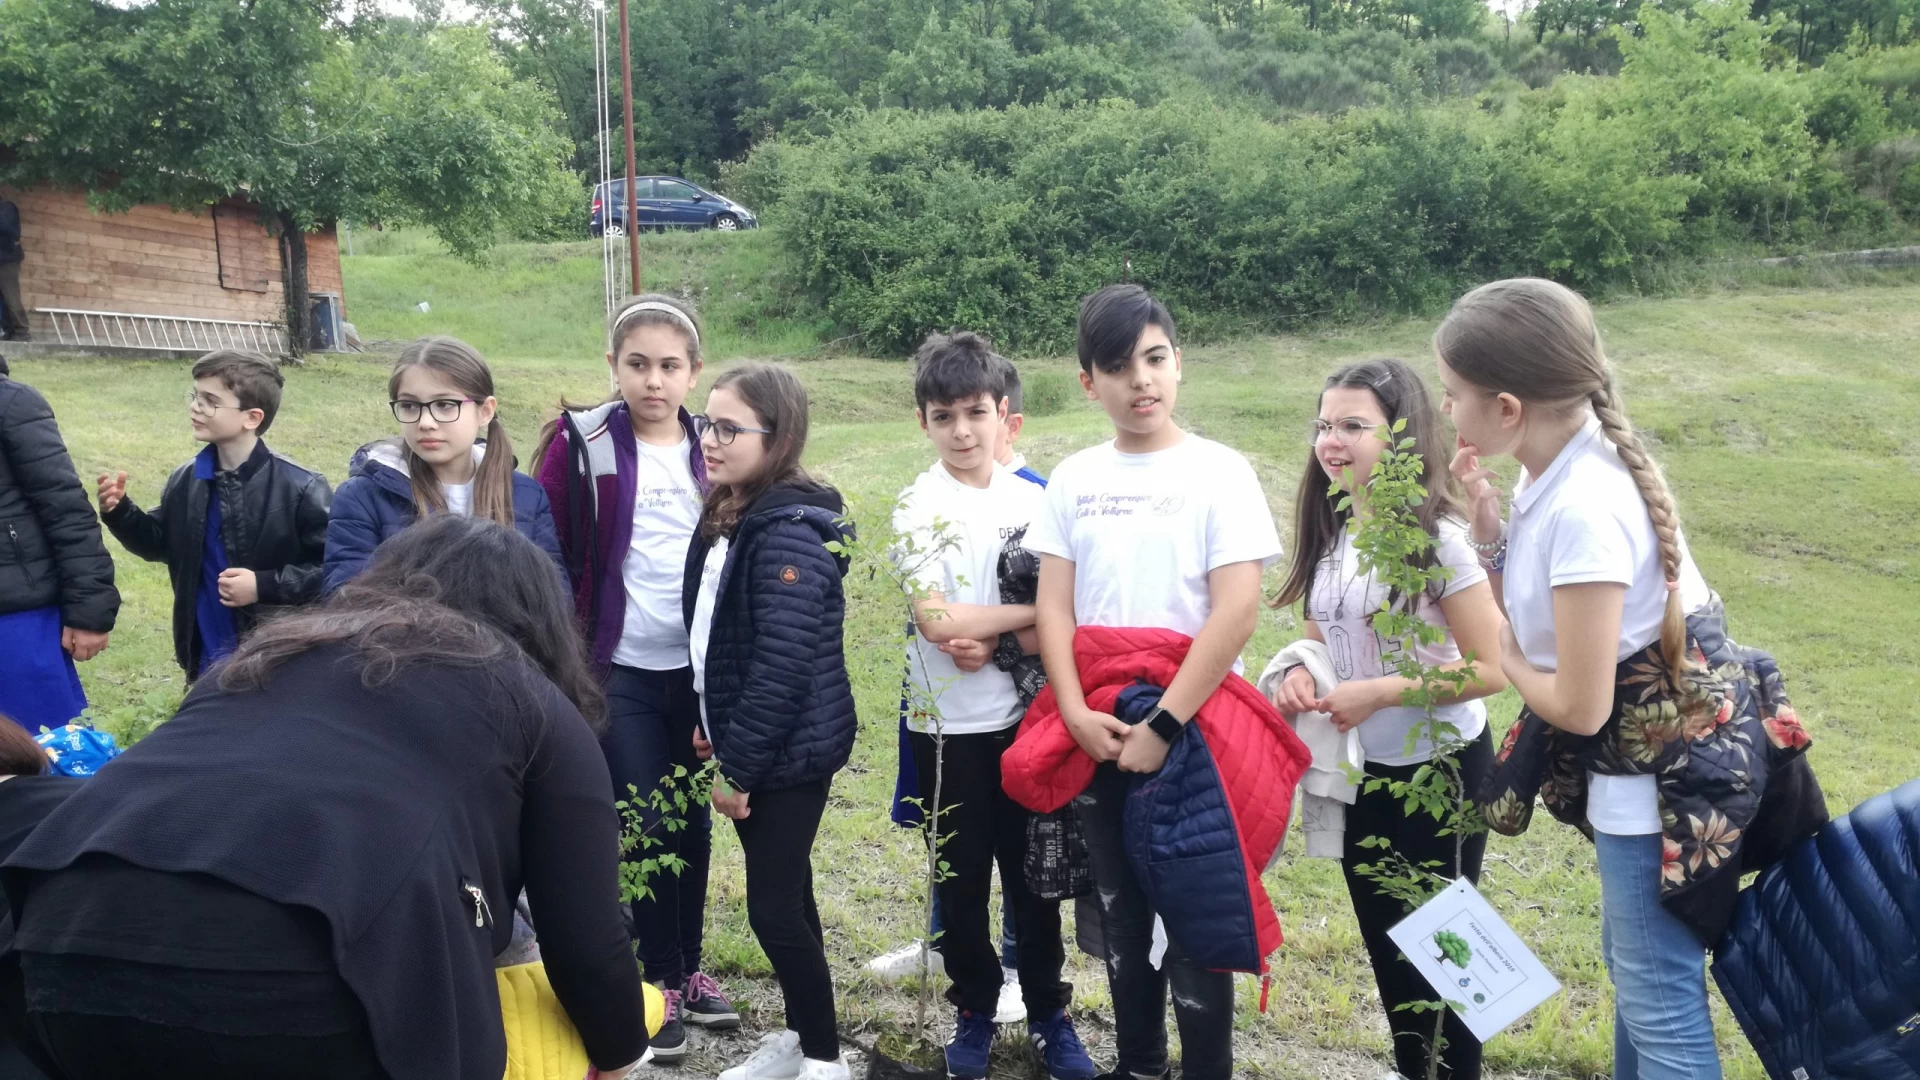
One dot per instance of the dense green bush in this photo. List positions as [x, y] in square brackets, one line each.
[902, 222]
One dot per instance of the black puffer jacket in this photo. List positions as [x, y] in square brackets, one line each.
[273, 517]
[50, 546]
[779, 704]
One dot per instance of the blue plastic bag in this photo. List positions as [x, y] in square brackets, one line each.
[76, 750]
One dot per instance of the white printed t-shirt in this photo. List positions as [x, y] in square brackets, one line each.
[1342, 604]
[1144, 530]
[666, 509]
[957, 533]
[1583, 520]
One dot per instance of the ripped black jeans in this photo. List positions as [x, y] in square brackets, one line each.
[1202, 1000]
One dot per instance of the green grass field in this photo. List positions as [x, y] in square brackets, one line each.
[1784, 418]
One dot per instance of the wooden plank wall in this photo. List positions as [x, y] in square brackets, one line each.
[154, 260]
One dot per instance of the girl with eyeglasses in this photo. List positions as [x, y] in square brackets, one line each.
[1344, 672]
[764, 612]
[627, 480]
[453, 457]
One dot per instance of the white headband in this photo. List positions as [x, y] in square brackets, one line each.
[655, 305]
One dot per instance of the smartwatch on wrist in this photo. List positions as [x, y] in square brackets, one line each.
[1164, 725]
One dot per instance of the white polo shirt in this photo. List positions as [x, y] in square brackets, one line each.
[1582, 521]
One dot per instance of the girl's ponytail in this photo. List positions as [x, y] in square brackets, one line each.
[1666, 526]
[493, 481]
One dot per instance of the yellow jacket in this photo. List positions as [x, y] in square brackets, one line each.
[541, 1042]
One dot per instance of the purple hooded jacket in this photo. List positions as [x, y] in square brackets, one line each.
[588, 473]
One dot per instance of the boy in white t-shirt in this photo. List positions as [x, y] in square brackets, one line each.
[954, 521]
[1157, 528]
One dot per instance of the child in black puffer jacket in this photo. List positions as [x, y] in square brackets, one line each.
[764, 611]
[57, 600]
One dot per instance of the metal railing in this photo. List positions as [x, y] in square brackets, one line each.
[121, 329]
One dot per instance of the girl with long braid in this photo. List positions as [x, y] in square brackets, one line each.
[1639, 710]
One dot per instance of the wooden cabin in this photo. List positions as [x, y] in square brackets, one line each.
[159, 278]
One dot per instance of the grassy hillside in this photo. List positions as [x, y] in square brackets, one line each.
[1783, 417]
[544, 302]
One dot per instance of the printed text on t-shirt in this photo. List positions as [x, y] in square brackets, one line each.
[1108, 504]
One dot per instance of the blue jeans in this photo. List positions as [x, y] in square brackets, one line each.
[1661, 1027]
[650, 721]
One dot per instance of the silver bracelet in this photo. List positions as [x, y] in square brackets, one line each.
[1488, 549]
[1495, 563]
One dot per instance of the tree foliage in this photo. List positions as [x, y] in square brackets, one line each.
[186, 102]
[900, 223]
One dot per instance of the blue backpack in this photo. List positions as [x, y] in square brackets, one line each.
[75, 750]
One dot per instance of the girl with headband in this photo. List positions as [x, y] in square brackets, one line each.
[627, 482]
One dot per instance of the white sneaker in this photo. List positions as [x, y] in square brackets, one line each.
[825, 1070]
[1012, 1008]
[778, 1058]
[905, 963]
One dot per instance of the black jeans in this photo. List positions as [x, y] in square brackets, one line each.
[1380, 814]
[90, 1047]
[650, 720]
[1202, 1000]
[776, 837]
[982, 825]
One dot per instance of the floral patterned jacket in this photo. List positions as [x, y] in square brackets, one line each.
[1728, 757]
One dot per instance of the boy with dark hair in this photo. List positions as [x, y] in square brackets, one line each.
[906, 961]
[954, 521]
[1157, 529]
[242, 529]
[1015, 398]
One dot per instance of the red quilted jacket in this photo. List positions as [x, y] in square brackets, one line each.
[1257, 756]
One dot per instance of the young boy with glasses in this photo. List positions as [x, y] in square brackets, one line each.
[242, 529]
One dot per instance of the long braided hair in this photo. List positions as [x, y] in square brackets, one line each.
[1536, 339]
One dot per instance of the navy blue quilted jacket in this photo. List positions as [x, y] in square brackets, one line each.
[1821, 963]
[779, 706]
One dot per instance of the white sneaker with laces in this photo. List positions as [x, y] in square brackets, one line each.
[905, 963]
[825, 1070]
[778, 1058]
[1013, 1007]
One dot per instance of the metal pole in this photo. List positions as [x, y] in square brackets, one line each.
[626, 105]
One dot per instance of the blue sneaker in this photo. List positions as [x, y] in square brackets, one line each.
[972, 1043]
[1060, 1048]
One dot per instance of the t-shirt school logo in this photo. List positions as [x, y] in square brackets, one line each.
[652, 497]
[1169, 505]
[1107, 504]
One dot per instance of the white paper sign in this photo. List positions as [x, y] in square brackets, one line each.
[1473, 960]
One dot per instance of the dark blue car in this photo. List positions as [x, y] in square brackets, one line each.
[665, 202]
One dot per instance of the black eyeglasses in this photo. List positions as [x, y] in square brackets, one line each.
[723, 430]
[444, 410]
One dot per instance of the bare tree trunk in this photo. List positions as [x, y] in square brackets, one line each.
[293, 275]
